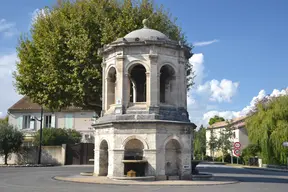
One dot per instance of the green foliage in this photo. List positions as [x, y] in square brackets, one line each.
[215, 119]
[200, 143]
[224, 143]
[58, 136]
[251, 150]
[10, 140]
[212, 143]
[4, 120]
[267, 127]
[59, 64]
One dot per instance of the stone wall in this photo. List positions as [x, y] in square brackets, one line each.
[54, 155]
[154, 137]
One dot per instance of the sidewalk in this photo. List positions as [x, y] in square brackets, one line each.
[257, 168]
[105, 180]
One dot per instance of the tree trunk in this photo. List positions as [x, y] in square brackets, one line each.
[5, 159]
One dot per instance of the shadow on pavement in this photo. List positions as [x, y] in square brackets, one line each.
[254, 179]
[250, 171]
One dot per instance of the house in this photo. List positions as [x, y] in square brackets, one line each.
[22, 112]
[238, 129]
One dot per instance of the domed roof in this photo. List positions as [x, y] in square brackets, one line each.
[146, 33]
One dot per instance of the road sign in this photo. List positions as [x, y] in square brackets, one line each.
[237, 152]
[237, 145]
[285, 144]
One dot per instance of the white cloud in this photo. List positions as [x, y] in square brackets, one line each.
[8, 94]
[197, 61]
[220, 91]
[206, 96]
[8, 29]
[232, 114]
[204, 43]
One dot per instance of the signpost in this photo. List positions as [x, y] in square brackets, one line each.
[237, 152]
[237, 145]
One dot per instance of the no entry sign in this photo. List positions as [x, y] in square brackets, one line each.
[237, 152]
[237, 145]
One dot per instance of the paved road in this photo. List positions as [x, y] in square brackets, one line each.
[40, 180]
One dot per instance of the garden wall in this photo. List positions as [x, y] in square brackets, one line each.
[54, 155]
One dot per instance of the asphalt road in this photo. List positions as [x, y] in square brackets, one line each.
[30, 179]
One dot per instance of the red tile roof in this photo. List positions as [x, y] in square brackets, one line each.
[25, 104]
[236, 122]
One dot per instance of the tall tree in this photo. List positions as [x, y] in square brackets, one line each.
[59, 64]
[215, 119]
[10, 140]
[224, 143]
[267, 127]
[212, 143]
[200, 142]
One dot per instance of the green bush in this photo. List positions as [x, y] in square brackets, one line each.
[58, 136]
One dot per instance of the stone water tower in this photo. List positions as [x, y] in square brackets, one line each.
[144, 124]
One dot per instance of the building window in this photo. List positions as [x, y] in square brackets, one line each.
[47, 121]
[26, 121]
[69, 121]
[234, 135]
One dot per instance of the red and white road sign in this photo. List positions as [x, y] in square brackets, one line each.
[237, 145]
[237, 152]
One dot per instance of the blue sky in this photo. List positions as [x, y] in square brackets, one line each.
[245, 45]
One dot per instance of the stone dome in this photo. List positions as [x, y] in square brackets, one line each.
[146, 33]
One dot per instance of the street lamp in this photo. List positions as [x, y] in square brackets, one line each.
[40, 142]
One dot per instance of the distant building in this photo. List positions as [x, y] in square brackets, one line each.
[21, 112]
[239, 133]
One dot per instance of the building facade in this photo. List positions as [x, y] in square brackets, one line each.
[239, 134]
[21, 113]
[144, 126]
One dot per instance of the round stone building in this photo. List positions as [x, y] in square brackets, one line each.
[144, 125]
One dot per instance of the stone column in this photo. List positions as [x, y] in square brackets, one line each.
[154, 81]
[116, 163]
[103, 65]
[160, 163]
[126, 90]
[148, 89]
[150, 156]
[96, 161]
[120, 84]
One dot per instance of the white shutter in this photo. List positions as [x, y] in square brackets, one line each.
[53, 123]
[19, 122]
[32, 123]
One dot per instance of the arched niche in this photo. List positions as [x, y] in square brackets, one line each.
[138, 86]
[167, 84]
[103, 158]
[172, 158]
[111, 86]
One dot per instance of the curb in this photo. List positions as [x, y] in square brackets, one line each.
[28, 165]
[145, 183]
[266, 169]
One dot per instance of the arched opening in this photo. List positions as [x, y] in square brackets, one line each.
[103, 158]
[167, 84]
[133, 154]
[111, 86]
[138, 84]
[172, 158]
